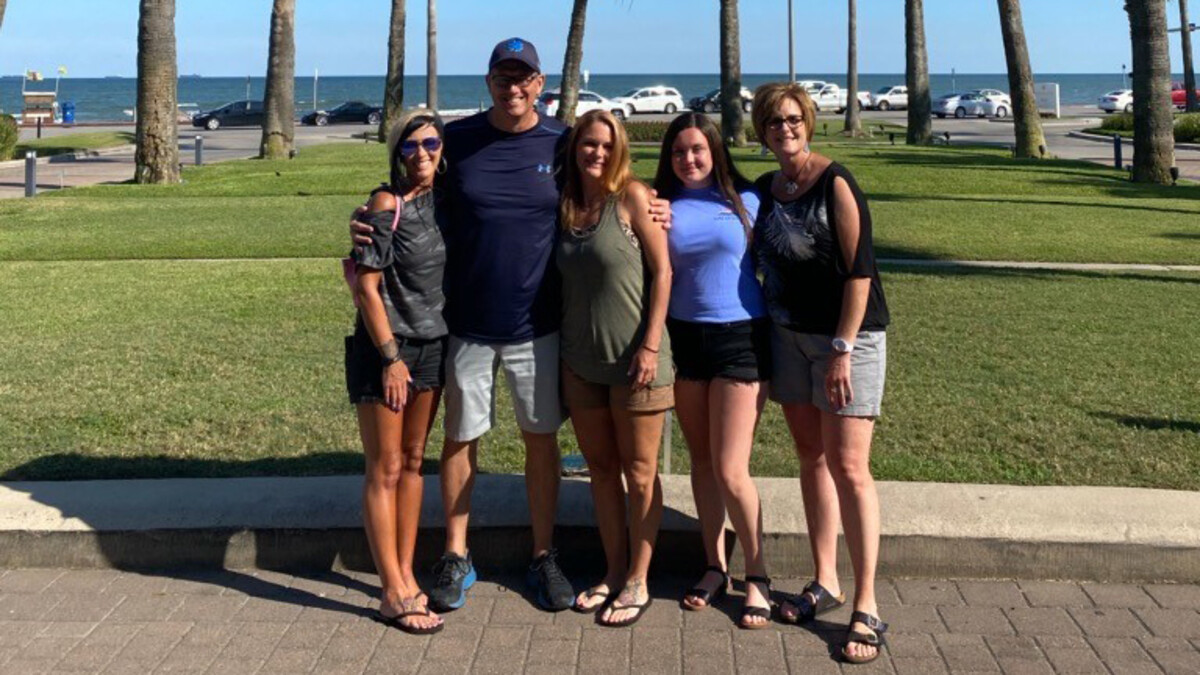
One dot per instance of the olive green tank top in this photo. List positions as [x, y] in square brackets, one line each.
[606, 296]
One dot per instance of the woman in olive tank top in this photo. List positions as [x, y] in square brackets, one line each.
[616, 358]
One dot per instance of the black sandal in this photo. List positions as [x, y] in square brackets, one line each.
[589, 594]
[807, 610]
[708, 597]
[397, 621]
[762, 612]
[875, 640]
[641, 609]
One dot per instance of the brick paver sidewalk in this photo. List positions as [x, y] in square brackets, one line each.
[234, 622]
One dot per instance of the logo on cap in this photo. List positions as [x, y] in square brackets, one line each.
[515, 45]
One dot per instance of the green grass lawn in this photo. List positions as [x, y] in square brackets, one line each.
[127, 355]
[64, 143]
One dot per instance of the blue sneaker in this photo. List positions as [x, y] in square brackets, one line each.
[455, 574]
[550, 586]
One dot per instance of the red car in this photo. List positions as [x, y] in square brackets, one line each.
[1179, 94]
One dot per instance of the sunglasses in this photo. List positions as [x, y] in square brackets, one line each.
[431, 144]
[504, 81]
[793, 121]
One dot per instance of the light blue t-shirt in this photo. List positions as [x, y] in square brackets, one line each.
[712, 271]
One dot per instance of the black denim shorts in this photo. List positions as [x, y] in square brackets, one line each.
[737, 351]
[426, 361]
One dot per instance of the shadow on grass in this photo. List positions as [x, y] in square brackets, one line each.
[952, 270]
[1148, 423]
[1186, 236]
[1023, 200]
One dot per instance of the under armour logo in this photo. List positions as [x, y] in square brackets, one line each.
[545, 168]
[515, 45]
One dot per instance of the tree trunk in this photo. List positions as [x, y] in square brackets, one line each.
[1153, 133]
[916, 75]
[2, 4]
[393, 91]
[853, 126]
[431, 94]
[733, 124]
[1027, 121]
[157, 157]
[279, 106]
[1185, 41]
[572, 62]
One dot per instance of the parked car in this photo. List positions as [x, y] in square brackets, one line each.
[1179, 95]
[346, 113]
[1117, 100]
[971, 105]
[812, 86]
[830, 97]
[887, 98]
[549, 101]
[711, 102]
[235, 114]
[650, 99]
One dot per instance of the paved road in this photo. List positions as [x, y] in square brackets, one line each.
[257, 621]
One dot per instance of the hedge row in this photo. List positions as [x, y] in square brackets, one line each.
[1187, 126]
[8, 136]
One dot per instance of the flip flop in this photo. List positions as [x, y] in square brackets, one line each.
[874, 640]
[808, 610]
[591, 593]
[397, 621]
[709, 597]
[641, 609]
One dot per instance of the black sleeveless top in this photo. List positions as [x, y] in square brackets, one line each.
[799, 255]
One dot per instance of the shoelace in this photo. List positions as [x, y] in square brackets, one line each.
[551, 570]
[444, 569]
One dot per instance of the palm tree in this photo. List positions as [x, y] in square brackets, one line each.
[1153, 135]
[431, 95]
[279, 106]
[853, 126]
[2, 4]
[1027, 121]
[1185, 41]
[157, 157]
[393, 91]
[572, 62]
[916, 75]
[733, 124]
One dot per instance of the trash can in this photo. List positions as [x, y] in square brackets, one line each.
[68, 112]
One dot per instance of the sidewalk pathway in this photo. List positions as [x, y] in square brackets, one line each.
[262, 622]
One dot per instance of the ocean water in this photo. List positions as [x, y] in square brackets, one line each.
[107, 99]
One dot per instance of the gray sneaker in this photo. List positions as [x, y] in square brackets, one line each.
[550, 586]
[455, 574]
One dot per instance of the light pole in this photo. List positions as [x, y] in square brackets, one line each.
[791, 45]
[1124, 79]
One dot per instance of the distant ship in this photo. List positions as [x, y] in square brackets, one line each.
[193, 76]
[113, 77]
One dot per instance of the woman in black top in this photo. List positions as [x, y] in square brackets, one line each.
[812, 242]
[394, 360]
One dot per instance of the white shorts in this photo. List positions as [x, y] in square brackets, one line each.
[531, 369]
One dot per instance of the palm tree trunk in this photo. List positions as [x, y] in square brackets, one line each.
[733, 124]
[916, 75]
[393, 90]
[2, 4]
[1153, 133]
[1185, 41]
[157, 157]
[279, 106]
[1027, 121]
[431, 93]
[572, 62]
[853, 126]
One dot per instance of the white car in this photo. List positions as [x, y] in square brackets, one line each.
[812, 86]
[1118, 100]
[548, 102]
[830, 97]
[972, 104]
[650, 100]
[887, 98]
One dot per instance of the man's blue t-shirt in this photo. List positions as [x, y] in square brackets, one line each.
[712, 271]
[501, 220]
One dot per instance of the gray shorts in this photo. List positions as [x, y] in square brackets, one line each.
[801, 361]
[531, 369]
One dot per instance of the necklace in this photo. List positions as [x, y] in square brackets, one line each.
[791, 186]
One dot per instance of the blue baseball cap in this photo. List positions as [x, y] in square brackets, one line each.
[515, 49]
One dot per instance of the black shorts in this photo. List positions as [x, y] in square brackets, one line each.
[426, 361]
[737, 351]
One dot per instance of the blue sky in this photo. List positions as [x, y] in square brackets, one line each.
[349, 37]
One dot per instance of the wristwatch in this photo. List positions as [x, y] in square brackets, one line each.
[841, 346]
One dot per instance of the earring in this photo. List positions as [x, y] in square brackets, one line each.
[442, 166]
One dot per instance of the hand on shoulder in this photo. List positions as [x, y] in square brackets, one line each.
[382, 200]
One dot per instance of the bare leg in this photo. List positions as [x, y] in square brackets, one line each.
[820, 497]
[598, 443]
[542, 477]
[734, 408]
[418, 420]
[691, 406]
[457, 475]
[848, 447]
[639, 436]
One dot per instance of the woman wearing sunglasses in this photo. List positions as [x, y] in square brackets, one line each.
[812, 241]
[394, 360]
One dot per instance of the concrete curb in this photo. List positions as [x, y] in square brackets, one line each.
[1125, 141]
[930, 529]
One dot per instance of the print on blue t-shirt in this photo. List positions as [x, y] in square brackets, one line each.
[712, 271]
[501, 221]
